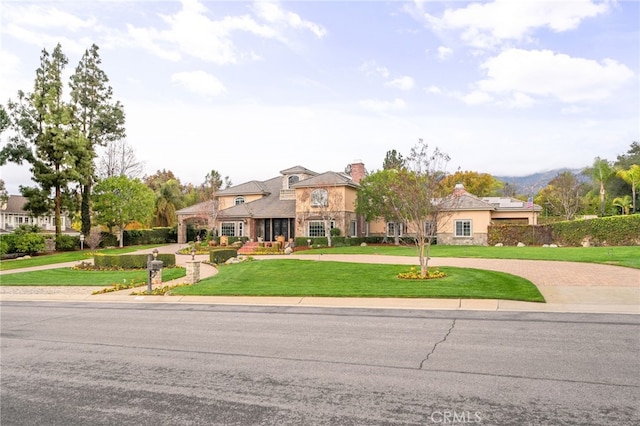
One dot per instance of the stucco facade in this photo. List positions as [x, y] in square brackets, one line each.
[302, 203]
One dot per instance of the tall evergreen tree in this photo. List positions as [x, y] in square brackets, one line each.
[44, 136]
[97, 118]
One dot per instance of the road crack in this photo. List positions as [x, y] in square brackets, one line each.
[453, 324]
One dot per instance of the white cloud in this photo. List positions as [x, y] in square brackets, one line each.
[543, 73]
[44, 17]
[476, 98]
[372, 69]
[192, 32]
[382, 106]
[403, 83]
[199, 82]
[574, 109]
[273, 13]
[444, 53]
[433, 89]
[485, 25]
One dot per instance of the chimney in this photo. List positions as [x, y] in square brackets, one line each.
[357, 171]
[459, 190]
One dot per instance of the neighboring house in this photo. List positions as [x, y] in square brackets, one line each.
[299, 203]
[12, 215]
[470, 220]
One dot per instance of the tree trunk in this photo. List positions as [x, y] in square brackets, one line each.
[58, 214]
[85, 209]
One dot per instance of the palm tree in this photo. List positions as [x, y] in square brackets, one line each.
[600, 172]
[632, 177]
[168, 200]
[624, 203]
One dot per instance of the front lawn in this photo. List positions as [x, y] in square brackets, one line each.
[63, 257]
[339, 279]
[628, 256]
[72, 277]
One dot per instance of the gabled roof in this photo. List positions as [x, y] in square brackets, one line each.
[269, 206]
[15, 204]
[200, 208]
[466, 201]
[297, 170]
[326, 179]
[252, 187]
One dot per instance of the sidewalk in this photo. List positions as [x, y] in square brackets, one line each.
[566, 286]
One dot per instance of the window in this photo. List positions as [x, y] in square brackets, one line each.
[240, 229]
[316, 228]
[238, 200]
[319, 198]
[228, 229]
[292, 180]
[353, 228]
[463, 228]
[391, 227]
[430, 229]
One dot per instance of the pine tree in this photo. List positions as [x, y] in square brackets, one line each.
[97, 118]
[45, 137]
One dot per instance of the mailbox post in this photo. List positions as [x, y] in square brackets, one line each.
[153, 267]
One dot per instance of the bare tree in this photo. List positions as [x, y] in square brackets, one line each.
[324, 204]
[412, 195]
[563, 195]
[119, 159]
[94, 238]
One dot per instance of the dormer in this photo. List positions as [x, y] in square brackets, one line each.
[290, 177]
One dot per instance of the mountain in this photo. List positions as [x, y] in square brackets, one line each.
[533, 183]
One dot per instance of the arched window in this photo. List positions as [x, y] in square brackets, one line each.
[293, 179]
[239, 200]
[319, 198]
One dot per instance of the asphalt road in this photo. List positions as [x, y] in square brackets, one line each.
[169, 364]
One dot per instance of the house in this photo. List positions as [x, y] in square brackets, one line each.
[469, 221]
[295, 203]
[12, 215]
[299, 202]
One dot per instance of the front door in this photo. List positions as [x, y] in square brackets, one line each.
[281, 227]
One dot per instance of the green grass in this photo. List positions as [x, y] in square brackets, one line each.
[70, 256]
[72, 277]
[628, 256]
[339, 279]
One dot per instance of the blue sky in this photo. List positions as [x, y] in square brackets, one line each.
[251, 88]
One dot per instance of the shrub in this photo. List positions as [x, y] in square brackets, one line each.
[221, 255]
[29, 243]
[131, 261]
[7, 243]
[335, 232]
[612, 231]
[4, 247]
[109, 240]
[160, 235]
[67, 243]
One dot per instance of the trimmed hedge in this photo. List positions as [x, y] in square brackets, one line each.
[221, 255]
[161, 235]
[512, 234]
[604, 231]
[131, 261]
